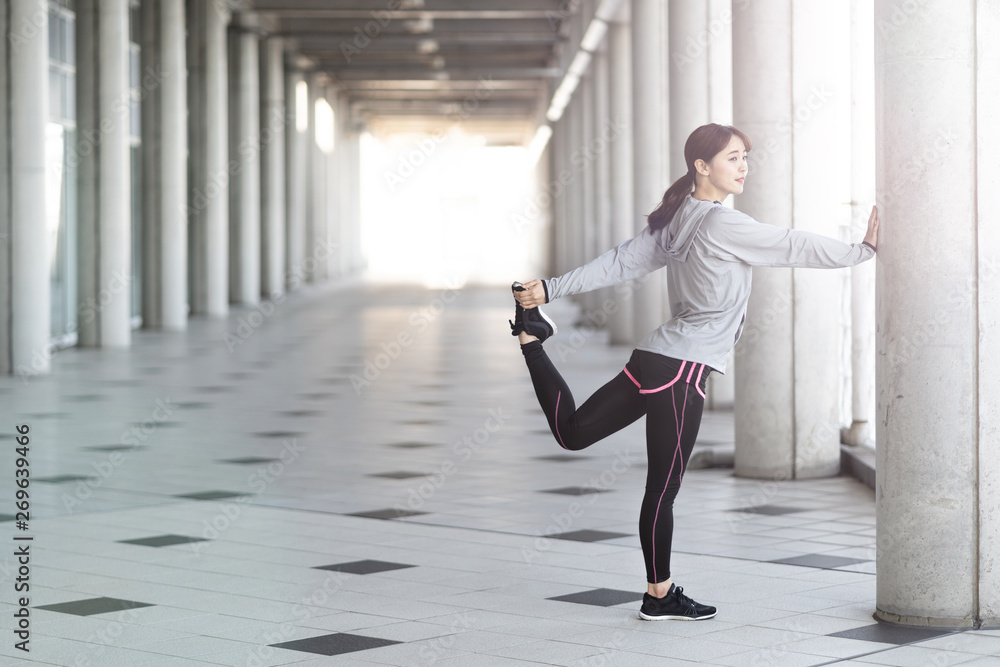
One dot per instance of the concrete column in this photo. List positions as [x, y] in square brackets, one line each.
[700, 78]
[619, 37]
[650, 155]
[862, 197]
[25, 324]
[572, 116]
[338, 233]
[584, 97]
[357, 261]
[244, 159]
[938, 312]
[792, 95]
[164, 173]
[603, 135]
[273, 124]
[104, 175]
[296, 137]
[560, 218]
[316, 225]
[209, 174]
[343, 183]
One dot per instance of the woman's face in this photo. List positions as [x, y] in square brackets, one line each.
[728, 168]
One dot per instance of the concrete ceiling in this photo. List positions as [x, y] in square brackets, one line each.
[412, 62]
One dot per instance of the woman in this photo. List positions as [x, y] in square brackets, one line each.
[708, 250]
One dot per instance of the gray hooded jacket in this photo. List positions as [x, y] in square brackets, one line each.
[708, 250]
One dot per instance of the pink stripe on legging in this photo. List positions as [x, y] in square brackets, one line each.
[679, 373]
[634, 381]
[556, 421]
[697, 383]
[677, 452]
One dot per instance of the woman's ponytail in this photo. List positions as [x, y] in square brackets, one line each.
[672, 200]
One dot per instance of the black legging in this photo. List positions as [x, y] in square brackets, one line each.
[670, 392]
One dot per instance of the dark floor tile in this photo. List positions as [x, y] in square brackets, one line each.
[335, 644]
[421, 422]
[209, 495]
[889, 634]
[300, 413]
[600, 597]
[163, 424]
[115, 448]
[124, 383]
[770, 510]
[59, 479]
[47, 415]
[84, 398]
[320, 395]
[431, 404]
[6, 517]
[819, 560]
[412, 445]
[192, 404]
[94, 606]
[163, 540]
[398, 474]
[588, 535]
[364, 567]
[248, 460]
[562, 458]
[388, 513]
[213, 389]
[238, 375]
[280, 434]
[575, 490]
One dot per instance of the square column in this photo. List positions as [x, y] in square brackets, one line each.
[791, 73]
[244, 161]
[209, 173]
[25, 317]
[273, 127]
[938, 314]
[164, 172]
[104, 174]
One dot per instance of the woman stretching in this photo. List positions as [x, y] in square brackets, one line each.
[708, 250]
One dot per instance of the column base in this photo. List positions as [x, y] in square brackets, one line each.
[858, 433]
[929, 622]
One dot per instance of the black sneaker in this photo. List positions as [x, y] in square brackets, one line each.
[674, 606]
[531, 321]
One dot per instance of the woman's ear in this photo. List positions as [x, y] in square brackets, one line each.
[701, 167]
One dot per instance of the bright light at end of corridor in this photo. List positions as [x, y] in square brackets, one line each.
[450, 209]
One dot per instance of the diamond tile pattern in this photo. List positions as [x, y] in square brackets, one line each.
[303, 558]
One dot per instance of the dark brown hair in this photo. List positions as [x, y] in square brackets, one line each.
[704, 144]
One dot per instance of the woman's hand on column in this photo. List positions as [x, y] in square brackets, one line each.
[872, 235]
[533, 294]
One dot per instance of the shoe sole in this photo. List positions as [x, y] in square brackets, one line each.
[674, 618]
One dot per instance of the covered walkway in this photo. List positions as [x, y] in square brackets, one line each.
[197, 502]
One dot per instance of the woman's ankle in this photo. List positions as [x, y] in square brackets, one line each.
[660, 589]
[524, 338]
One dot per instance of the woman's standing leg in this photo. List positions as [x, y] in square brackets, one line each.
[672, 423]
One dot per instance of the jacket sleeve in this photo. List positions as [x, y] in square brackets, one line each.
[632, 259]
[735, 236]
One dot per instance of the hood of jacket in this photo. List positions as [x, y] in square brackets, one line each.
[679, 234]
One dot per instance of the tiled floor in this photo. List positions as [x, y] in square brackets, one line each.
[363, 473]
